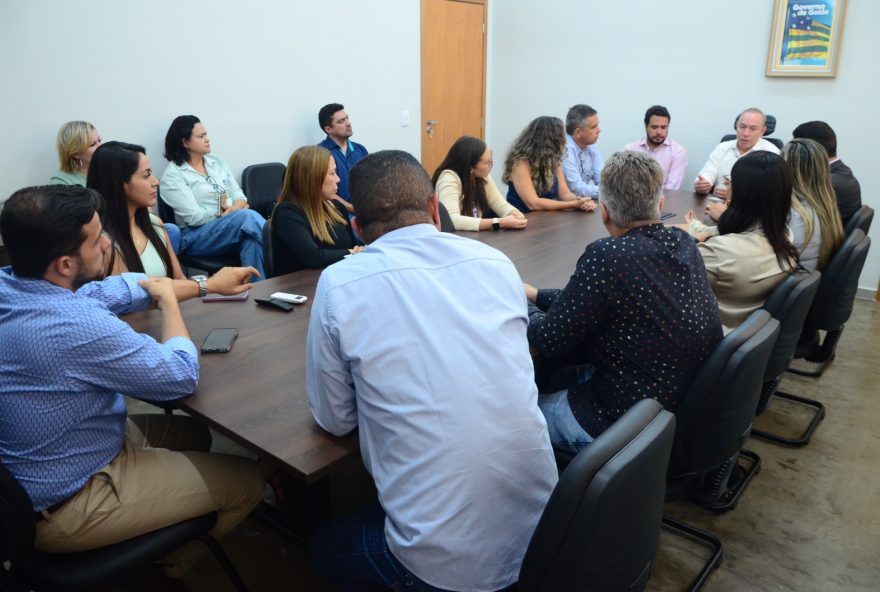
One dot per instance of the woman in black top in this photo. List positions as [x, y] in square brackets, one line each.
[308, 230]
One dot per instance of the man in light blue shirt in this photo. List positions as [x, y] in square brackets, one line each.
[582, 162]
[420, 342]
[96, 476]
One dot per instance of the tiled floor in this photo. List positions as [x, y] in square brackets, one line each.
[810, 521]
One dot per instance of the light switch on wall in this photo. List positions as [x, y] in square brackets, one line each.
[404, 119]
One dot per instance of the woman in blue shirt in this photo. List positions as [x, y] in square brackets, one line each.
[533, 170]
[208, 204]
[123, 175]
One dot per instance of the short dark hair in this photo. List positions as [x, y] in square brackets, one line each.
[389, 190]
[659, 111]
[820, 132]
[113, 165]
[325, 115]
[761, 184]
[41, 224]
[576, 116]
[181, 129]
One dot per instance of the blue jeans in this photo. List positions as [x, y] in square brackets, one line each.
[239, 232]
[566, 432]
[173, 231]
[351, 552]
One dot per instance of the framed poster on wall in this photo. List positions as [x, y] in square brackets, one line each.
[805, 37]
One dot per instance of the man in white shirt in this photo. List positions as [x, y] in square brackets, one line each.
[420, 343]
[582, 162]
[671, 155]
[750, 127]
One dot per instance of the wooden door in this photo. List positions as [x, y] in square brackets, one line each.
[453, 75]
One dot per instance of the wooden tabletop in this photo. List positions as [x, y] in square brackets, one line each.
[256, 393]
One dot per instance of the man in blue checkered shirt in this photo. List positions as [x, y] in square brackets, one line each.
[96, 476]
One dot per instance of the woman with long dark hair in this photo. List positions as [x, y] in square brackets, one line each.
[752, 252]
[123, 175]
[468, 192]
[533, 170]
[309, 231]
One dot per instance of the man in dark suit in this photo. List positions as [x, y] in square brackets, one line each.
[846, 186]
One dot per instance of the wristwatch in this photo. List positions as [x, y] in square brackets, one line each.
[202, 281]
[496, 225]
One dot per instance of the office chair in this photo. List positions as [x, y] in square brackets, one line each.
[601, 527]
[860, 220]
[268, 259]
[29, 569]
[833, 304]
[789, 303]
[713, 420]
[770, 122]
[191, 263]
[261, 184]
[446, 224]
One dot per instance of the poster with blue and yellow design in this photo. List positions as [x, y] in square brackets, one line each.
[805, 38]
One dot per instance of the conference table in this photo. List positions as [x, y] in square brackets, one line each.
[256, 393]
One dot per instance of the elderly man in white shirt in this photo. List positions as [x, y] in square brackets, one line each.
[750, 127]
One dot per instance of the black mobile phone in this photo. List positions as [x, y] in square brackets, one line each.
[273, 302]
[219, 341]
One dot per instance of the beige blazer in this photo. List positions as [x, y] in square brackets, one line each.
[449, 191]
[743, 270]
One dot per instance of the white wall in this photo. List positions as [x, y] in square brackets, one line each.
[255, 72]
[703, 60]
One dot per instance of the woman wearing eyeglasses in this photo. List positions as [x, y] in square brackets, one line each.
[208, 204]
[468, 192]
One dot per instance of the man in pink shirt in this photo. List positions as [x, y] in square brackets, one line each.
[671, 155]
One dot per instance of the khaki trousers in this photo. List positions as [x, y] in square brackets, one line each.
[162, 475]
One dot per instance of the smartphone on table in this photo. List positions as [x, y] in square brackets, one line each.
[219, 341]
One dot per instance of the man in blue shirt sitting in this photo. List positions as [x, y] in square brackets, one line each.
[335, 123]
[420, 343]
[96, 476]
[582, 163]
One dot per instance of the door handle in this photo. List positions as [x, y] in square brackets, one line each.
[432, 122]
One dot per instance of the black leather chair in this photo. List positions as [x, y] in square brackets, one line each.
[192, 263]
[713, 420]
[833, 304]
[268, 260]
[29, 569]
[261, 184]
[789, 303]
[771, 127]
[860, 220]
[601, 526]
[446, 224]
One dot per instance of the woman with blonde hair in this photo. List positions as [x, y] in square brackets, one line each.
[533, 170]
[308, 230]
[76, 142]
[815, 223]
